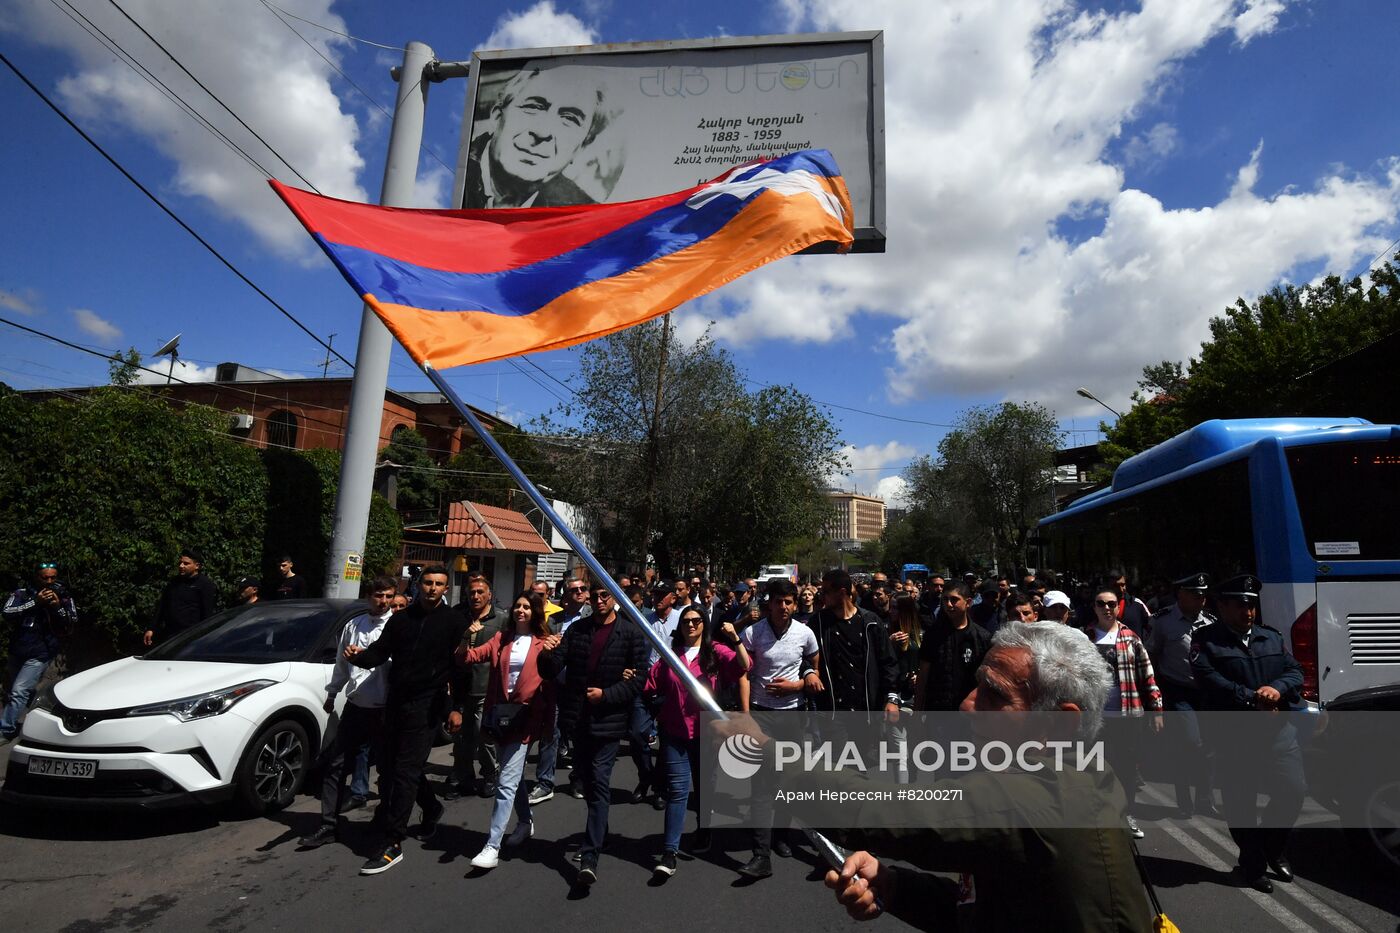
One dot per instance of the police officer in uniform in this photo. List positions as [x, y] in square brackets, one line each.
[1169, 644]
[1240, 664]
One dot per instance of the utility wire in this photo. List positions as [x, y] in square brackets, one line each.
[278, 12]
[346, 35]
[95, 31]
[216, 98]
[170, 213]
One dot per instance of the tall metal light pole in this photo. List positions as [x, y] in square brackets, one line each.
[1085, 393]
[372, 355]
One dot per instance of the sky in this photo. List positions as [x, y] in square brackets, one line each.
[1074, 190]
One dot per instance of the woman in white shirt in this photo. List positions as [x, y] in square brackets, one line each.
[518, 693]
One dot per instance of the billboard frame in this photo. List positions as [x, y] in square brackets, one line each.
[868, 239]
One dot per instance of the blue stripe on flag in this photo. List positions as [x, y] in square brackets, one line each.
[523, 290]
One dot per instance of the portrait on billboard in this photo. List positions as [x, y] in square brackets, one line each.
[541, 138]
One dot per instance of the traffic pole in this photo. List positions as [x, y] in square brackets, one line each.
[344, 561]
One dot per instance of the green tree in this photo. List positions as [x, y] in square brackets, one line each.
[992, 482]
[672, 457]
[476, 475]
[419, 482]
[114, 484]
[1250, 366]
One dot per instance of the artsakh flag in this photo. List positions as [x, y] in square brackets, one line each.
[458, 287]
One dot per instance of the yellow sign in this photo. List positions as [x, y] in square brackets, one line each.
[354, 563]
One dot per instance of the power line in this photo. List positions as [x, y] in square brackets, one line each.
[216, 97]
[107, 42]
[278, 12]
[346, 35]
[862, 411]
[170, 213]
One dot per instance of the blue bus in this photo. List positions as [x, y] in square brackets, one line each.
[1309, 505]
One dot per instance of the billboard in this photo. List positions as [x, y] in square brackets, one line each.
[606, 123]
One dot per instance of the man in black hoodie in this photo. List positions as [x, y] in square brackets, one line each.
[187, 600]
[420, 642]
[604, 660]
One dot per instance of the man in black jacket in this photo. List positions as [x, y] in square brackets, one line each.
[858, 663]
[471, 745]
[604, 663]
[420, 641]
[187, 600]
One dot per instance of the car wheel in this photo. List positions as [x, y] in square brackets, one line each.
[1379, 833]
[273, 767]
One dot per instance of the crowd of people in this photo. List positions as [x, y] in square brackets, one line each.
[564, 672]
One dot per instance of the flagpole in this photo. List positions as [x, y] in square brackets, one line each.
[834, 854]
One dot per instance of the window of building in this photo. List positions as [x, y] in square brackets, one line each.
[282, 429]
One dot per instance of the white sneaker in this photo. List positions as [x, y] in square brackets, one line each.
[522, 831]
[488, 857]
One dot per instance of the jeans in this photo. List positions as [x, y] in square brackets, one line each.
[594, 758]
[1121, 737]
[680, 766]
[359, 778]
[471, 743]
[510, 791]
[640, 731]
[549, 755]
[24, 676]
[358, 729]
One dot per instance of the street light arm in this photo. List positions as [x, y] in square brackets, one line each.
[1085, 393]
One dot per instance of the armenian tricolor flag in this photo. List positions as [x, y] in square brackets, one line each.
[458, 287]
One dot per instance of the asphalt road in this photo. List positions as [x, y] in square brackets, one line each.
[187, 871]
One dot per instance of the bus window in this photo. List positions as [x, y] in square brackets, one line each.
[1348, 496]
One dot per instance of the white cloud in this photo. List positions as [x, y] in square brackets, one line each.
[188, 372]
[1002, 120]
[1156, 144]
[541, 26]
[866, 462]
[25, 301]
[893, 490]
[432, 187]
[93, 324]
[1258, 18]
[254, 63]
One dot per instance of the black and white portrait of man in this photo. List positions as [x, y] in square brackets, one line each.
[539, 146]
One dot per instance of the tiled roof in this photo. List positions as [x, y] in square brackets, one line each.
[472, 526]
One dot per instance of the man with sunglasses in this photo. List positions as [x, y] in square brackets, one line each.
[38, 615]
[603, 663]
[555, 750]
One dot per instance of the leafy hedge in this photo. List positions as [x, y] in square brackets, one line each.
[113, 484]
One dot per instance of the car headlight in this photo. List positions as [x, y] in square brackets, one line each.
[45, 699]
[203, 705]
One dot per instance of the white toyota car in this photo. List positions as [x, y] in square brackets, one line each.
[228, 710]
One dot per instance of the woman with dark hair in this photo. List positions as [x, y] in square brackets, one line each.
[516, 691]
[1132, 693]
[678, 718]
[907, 637]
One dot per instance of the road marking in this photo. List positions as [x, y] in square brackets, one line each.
[1266, 903]
[1317, 906]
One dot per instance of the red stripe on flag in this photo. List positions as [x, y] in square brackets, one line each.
[475, 241]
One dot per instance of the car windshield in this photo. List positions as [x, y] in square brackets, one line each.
[257, 634]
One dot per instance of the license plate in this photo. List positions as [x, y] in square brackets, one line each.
[62, 767]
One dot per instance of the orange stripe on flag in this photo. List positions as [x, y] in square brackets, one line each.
[769, 227]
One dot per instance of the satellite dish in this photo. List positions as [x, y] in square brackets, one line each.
[170, 346]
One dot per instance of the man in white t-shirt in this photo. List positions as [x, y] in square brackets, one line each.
[362, 720]
[784, 667]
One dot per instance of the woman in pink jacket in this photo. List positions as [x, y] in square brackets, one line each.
[678, 718]
[515, 679]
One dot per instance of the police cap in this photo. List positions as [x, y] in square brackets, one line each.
[1196, 583]
[1244, 586]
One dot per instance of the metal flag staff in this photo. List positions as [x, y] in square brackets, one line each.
[834, 854]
